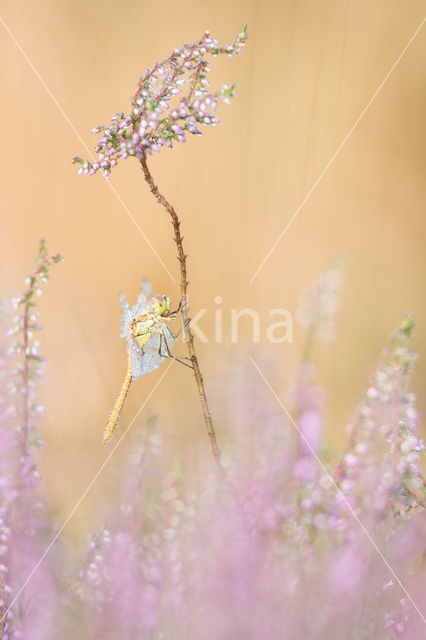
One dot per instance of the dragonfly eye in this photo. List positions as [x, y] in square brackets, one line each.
[161, 304]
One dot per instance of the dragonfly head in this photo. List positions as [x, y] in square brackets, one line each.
[161, 304]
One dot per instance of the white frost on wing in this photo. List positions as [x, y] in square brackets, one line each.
[144, 296]
[136, 359]
[126, 317]
[146, 287]
[150, 359]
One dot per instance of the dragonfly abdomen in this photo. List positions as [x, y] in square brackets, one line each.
[115, 413]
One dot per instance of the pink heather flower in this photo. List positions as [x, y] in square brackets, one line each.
[171, 98]
[311, 423]
[346, 573]
[353, 461]
[305, 470]
[382, 439]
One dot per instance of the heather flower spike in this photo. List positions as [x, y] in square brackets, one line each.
[25, 324]
[386, 420]
[149, 341]
[22, 521]
[172, 98]
[319, 304]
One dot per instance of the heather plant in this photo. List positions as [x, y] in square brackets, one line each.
[171, 98]
[23, 525]
[314, 556]
[304, 568]
[298, 565]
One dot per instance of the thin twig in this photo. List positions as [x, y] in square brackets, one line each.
[189, 338]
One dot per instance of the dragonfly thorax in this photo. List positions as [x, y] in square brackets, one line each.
[143, 327]
[161, 305]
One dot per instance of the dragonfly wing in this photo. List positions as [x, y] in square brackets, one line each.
[145, 361]
[151, 355]
[126, 317]
[146, 288]
[136, 359]
[143, 297]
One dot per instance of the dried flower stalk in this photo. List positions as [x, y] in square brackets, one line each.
[189, 337]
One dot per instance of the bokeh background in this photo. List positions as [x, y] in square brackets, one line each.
[309, 69]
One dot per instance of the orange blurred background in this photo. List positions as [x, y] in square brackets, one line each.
[308, 71]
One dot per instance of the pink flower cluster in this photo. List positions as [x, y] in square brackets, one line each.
[171, 99]
[383, 451]
[274, 550]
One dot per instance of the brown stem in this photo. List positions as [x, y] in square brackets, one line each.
[189, 338]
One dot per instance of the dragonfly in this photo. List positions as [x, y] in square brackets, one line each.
[150, 341]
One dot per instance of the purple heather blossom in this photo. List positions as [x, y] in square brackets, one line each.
[384, 429]
[172, 99]
[272, 551]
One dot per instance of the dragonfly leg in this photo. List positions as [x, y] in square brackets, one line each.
[174, 337]
[174, 314]
[184, 325]
[169, 354]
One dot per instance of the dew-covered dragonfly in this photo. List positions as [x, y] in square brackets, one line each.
[150, 341]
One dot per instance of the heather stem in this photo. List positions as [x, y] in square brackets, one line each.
[189, 338]
[26, 370]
